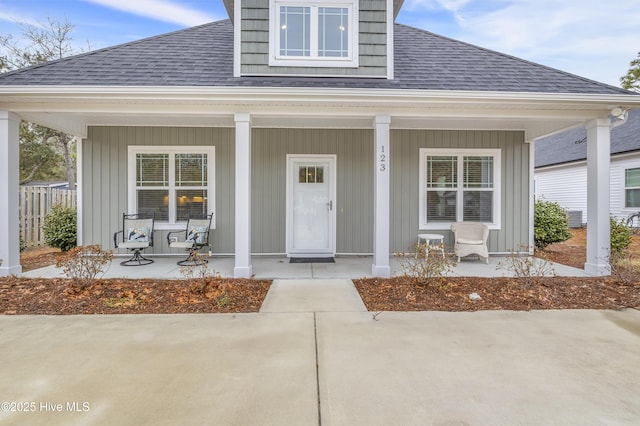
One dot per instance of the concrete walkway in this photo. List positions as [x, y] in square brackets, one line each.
[323, 366]
[312, 296]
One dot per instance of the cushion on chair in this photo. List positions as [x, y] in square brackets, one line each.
[469, 241]
[182, 244]
[198, 234]
[137, 235]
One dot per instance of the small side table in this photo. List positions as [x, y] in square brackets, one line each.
[438, 238]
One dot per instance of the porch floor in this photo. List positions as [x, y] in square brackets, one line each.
[270, 267]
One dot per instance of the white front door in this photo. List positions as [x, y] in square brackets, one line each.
[311, 215]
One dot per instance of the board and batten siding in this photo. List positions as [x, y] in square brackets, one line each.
[567, 185]
[354, 204]
[405, 148]
[104, 172]
[372, 43]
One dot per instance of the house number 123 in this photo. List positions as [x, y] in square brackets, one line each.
[382, 159]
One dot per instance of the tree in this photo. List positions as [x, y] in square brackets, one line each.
[39, 44]
[39, 158]
[631, 81]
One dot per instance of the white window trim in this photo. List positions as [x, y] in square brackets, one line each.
[624, 178]
[350, 61]
[497, 186]
[158, 149]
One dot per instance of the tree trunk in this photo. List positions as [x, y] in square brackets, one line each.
[65, 141]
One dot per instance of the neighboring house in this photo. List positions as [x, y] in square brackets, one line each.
[561, 169]
[48, 184]
[308, 129]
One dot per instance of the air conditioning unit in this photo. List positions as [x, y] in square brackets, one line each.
[575, 218]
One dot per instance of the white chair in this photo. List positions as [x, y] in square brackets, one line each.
[196, 236]
[137, 235]
[470, 238]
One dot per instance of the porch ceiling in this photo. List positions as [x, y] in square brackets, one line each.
[73, 109]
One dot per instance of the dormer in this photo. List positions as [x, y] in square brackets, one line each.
[319, 38]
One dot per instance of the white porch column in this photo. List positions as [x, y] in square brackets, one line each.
[598, 197]
[380, 266]
[79, 189]
[9, 201]
[243, 267]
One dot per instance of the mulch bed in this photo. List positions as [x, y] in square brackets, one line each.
[215, 295]
[125, 296]
[452, 294]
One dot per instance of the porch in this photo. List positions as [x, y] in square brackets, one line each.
[270, 267]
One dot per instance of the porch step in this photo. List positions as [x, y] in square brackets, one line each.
[312, 296]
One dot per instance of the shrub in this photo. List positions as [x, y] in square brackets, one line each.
[620, 238]
[550, 224]
[60, 228]
[425, 268]
[526, 267]
[198, 275]
[83, 264]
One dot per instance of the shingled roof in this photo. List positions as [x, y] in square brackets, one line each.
[203, 56]
[570, 146]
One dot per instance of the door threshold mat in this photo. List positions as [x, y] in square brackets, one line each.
[312, 260]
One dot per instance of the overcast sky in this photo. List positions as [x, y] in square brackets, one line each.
[592, 38]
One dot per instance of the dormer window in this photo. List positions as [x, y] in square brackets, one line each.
[318, 34]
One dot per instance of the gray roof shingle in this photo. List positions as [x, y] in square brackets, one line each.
[570, 146]
[203, 56]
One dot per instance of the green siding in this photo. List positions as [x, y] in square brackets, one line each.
[354, 204]
[104, 173]
[105, 179]
[405, 146]
[372, 42]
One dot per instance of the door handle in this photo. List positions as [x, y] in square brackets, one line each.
[330, 204]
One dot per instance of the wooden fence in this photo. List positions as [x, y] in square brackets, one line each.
[35, 204]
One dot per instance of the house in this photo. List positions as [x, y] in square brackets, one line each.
[561, 169]
[307, 129]
[48, 184]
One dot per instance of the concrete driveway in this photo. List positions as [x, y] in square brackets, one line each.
[328, 368]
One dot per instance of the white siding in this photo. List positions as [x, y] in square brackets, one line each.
[567, 185]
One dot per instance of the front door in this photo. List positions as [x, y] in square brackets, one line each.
[311, 184]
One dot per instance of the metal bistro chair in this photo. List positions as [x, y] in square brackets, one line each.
[196, 236]
[137, 235]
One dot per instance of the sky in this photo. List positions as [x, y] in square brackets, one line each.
[595, 39]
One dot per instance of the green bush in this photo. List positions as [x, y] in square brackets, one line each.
[550, 224]
[60, 228]
[620, 238]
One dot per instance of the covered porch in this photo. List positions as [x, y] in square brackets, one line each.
[382, 113]
[271, 267]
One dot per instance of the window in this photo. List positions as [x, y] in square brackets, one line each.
[174, 183]
[319, 34]
[632, 187]
[459, 185]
